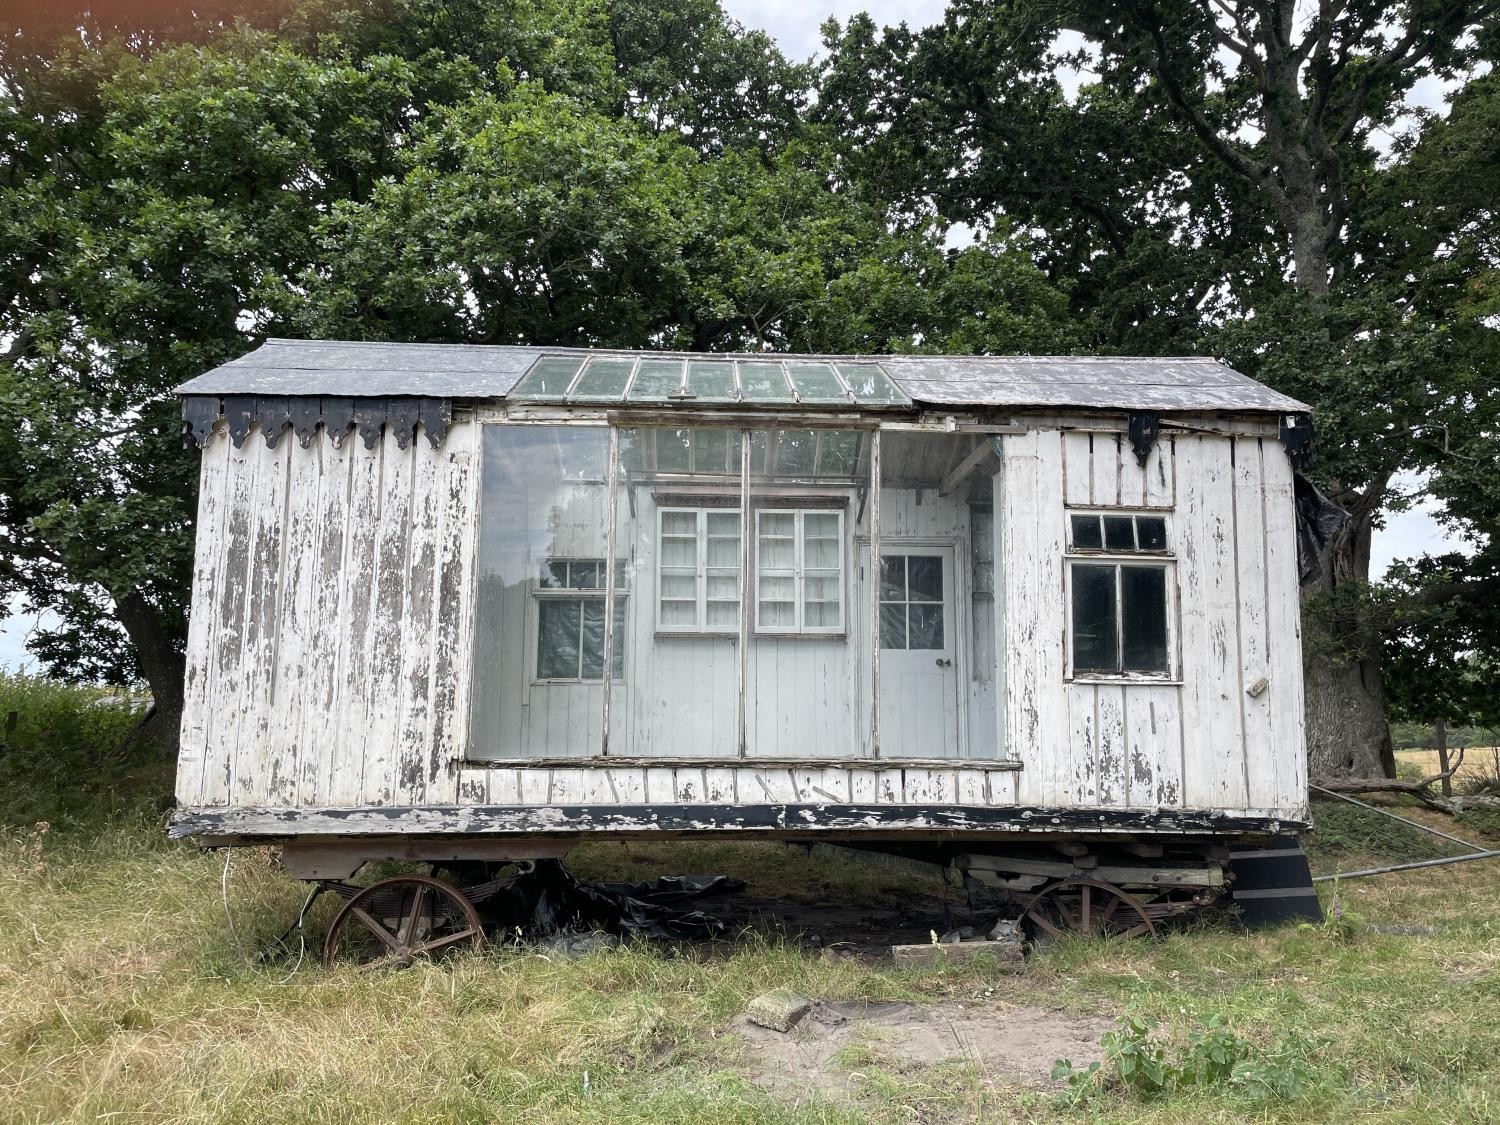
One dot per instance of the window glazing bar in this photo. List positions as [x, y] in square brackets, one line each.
[742, 665]
[609, 586]
[875, 594]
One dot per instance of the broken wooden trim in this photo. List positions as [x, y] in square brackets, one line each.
[249, 824]
[612, 760]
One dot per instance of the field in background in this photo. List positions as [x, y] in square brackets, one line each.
[1480, 762]
[125, 996]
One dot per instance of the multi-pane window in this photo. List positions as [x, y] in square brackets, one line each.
[911, 602]
[570, 622]
[698, 570]
[799, 571]
[1119, 601]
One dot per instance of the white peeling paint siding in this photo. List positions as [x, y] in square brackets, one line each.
[331, 639]
[331, 625]
[1202, 742]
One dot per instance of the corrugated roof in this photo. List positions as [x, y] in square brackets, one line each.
[473, 371]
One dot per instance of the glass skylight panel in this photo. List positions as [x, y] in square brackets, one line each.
[549, 377]
[762, 381]
[816, 382]
[871, 385]
[603, 380]
[711, 380]
[658, 380]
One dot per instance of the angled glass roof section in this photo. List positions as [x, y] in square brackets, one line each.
[549, 379]
[708, 381]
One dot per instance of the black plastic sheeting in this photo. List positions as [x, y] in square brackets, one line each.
[548, 901]
[1318, 521]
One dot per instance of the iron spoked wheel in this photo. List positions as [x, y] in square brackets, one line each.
[391, 923]
[1088, 907]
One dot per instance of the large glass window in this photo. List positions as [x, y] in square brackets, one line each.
[704, 592]
[540, 613]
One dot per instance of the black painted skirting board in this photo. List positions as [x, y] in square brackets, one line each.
[252, 824]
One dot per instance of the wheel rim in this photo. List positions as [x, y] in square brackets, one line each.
[1088, 907]
[391, 923]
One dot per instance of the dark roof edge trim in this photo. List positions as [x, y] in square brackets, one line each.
[306, 414]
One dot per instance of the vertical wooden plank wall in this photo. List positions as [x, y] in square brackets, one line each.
[331, 617]
[1208, 741]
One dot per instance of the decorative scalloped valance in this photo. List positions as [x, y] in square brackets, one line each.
[305, 414]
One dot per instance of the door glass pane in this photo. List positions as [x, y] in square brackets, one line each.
[893, 625]
[925, 577]
[1094, 645]
[893, 578]
[1143, 594]
[926, 626]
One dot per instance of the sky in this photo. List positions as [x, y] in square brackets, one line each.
[794, 25]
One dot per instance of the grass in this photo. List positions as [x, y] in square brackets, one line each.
[124, 997]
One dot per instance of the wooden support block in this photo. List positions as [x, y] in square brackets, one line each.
[1144, 849]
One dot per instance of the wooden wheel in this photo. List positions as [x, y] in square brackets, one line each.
[1089, 907]
[391, 923]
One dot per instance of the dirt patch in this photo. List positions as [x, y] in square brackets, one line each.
[828, 1050]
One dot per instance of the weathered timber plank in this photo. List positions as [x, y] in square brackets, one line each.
[1250, 566]
[452, 655]
[1283, 629]
[260, 774]
[263, 823]
[347, 729]
[208, 576]
[320, 741]
[298, 635]
[388, 629]
[1111, 755]
[413, 743]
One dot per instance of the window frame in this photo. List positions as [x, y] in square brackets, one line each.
[1163, 559]
[799, 627]
[566, 593]
[700, 626]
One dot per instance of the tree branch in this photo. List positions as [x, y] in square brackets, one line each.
[1231, 155]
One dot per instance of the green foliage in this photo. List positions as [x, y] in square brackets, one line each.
[1149, 1066]
[56, 757]
[618, 172]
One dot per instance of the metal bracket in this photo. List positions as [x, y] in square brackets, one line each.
[1145, 426]
[1296, 433]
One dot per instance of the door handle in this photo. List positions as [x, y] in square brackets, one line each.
[941, 663]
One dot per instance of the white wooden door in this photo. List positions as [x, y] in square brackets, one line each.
[918, 648]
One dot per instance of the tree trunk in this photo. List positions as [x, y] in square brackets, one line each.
[1440, 728]
[1347, 733]
[164, 667]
